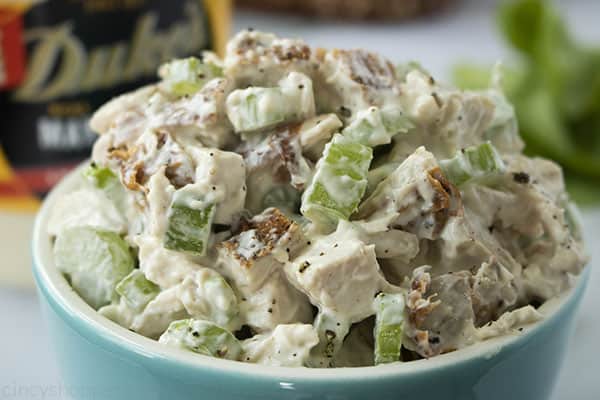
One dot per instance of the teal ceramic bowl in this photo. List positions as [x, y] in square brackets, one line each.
[101, 360]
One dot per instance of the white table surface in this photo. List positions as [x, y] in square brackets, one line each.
[26, 360]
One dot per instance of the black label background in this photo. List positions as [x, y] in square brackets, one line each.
[18, 124]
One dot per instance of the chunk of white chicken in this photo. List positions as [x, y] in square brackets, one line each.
[276, 171]
[110, 114]
[262, 59]
[316, 132]
[510, 322]
[447, 119]
[286, 346]
[275, 302]
[353, 80]
[262, 245]
[389, 243]
[538, 232]
[338, 272]
[153, 150]
[167, 268]
[220, 179]
[160, 265]
[197, 118]
[415, 197]
[494, 292]
[440, 313]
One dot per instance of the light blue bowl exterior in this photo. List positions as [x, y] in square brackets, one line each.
[95, 364]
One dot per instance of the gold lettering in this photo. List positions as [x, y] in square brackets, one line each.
[59, 64]
[52, 44]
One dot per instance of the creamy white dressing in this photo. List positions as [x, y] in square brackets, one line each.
[206, 295]
[248, 245]
[159, 313]
[339, 273]
[286, 346]
[468, 259]
[220, 179]
[316, 132]
[405, 198]
[509, 322]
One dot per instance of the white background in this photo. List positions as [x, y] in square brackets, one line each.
[466, 33]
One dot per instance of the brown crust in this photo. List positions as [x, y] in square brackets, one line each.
[270, 228]
[133, 171]
[286, 141]
[284, 55]
[367, 69]
[281, 157]
[447, 201]
[419, 307]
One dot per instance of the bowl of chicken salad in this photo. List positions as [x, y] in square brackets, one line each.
[297, 222]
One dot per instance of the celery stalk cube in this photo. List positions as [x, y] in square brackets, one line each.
[474, 162]
[202, 337]
[188, 75]
[94, 261]
[189, 229]
[389, 316]
[339, 182]
[137, 290]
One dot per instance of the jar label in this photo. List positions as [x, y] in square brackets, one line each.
[62, 59]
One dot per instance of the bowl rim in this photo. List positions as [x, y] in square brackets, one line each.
[53, 284]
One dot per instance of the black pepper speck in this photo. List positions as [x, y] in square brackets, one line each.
[521, 177]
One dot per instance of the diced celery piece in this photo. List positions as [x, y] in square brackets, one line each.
[257, 108]
[474, 162]
[188, 75]
[395, 121]
[101, 177]
[95, 261]
[137, 290]
[202, 337]
[105, 179]
[339, 182]
[373, 126]
[331, 330]
[189, 228]
[389, 316]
